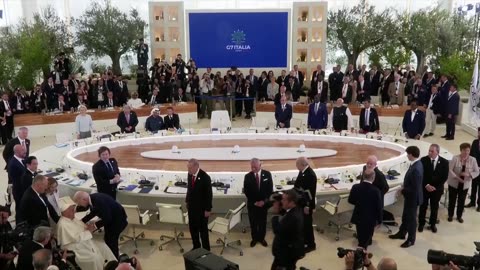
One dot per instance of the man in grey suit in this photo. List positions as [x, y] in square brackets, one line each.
[413, 197]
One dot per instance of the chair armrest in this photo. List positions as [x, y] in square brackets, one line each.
[145, 217]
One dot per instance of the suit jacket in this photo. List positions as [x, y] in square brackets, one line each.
[368, 202]
[102, 175]
[281, 80]
[396, 98]
[380, 181]
[366, 89]
[437, 177]
[27, 180]
[122, 122]
[417, 126]
[317, 120]
[3, 110]
[475, 150]
[157, 99]
[25, 255]
[199, 195]
[437, 104]
[106, 102]
[373, 121]
[8, 150]
[288, 241]
[179, 98]
[23, 100]
[444, 90]
[253, 84]
[172, 123]
[348, 96]
[412, 185]
[315, 75]
[308, 181]
[283, 116]
[121, 92]
[314, 91]
[111, 213]
[16, 170]
[452, 104]
[252, 190]
[34, 211]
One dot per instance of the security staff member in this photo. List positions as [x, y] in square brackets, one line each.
[258, 186]
[307, 180]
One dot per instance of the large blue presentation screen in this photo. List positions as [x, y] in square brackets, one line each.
[222, 40]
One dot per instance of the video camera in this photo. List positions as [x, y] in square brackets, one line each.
[124, 258]
[16, 237]
[440, 257]
[358, 256]
[304, 197]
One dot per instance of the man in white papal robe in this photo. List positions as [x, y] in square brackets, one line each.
[74, 235]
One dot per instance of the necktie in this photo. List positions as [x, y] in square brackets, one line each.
[433, 164]
[7, 107]
[258, 180]
[193, 181]
[367, 117]
[110, 101]
[23, 143]
[109, 165]
[153, 99]
[316, 108]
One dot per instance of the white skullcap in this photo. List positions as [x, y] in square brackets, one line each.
[65, 203]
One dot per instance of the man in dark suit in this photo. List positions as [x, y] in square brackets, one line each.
[16, 170]
[412, 192]
[154, 98]
[6, 114]
[283, 113]
[363, 89]
[127, 120]
[110, 101]
[299, 76]
[320, 88]
[199, 204]
[121, 90]
[20, 139]
[60, 104]
[475, 192]
[111, 214]
[388, 78]
[180, 96]
[172, 121]
[294, 88]
[282, 79]
[35, 208]
[346, 90]
[374, 80]
[369, 121]
[316, 75]
[41, 238]
[288, 246]
[435, 174]
[451, 111]
[413, 122]
[253, 81]
[258, 186]
[433, 109]
[379, 181]
[444, 90]
[317, 114]
[307, 180]
[31, 164]
[106, 173]
[367, 213]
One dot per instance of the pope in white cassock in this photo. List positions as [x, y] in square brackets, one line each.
[73, 234]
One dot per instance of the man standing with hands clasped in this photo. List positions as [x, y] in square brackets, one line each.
[258, 186]
[199, 204]
[307, 180]
[106, 173]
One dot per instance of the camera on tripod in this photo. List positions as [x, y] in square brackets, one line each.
[440, 257]
[358, 256]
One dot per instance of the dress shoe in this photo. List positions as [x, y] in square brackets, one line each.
[264, 243]
[433, 228]
[253, 243]
[430, 134]
[420, 228]
[406, 244]
[450, 219]
[470, 205]
[444, 136]
[425, 135]
[449, 138]
[310, 249]
[460, 220]
[248, 117]
[397, 236]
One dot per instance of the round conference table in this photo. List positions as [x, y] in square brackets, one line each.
[351, 150]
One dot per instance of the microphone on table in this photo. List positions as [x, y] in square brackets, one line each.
[179, 182]
[61, 169]
[82, 175]
[143, 181]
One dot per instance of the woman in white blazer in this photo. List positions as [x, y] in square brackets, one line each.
[463, 168]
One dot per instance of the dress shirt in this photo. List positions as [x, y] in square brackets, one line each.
[430, 103]
[451, 94]
[7, 106]
[19, 160]
[344, 90]
[320, 87]
[317, 106]
[367, 117]
[412, 117]
[397, 86]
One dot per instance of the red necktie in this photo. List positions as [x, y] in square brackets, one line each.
[193, 181]
[258, 180]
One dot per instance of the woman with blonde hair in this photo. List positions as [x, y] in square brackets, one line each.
[83, 123]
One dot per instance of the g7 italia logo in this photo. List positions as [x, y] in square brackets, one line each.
[238, 39]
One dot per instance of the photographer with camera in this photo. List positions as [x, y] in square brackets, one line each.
[352, 258]
[206, 87]
[124, 263]
[7, 254]
[307, 180]
[287, 224]
[180, 66]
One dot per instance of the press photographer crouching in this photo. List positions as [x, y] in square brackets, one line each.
[6, 241]
[287, 225]
[360, 259]
[124, 263]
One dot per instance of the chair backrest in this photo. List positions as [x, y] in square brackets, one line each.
[343, 205]
[171, 213]
[133, 214]
[235, 216]
[391, 196]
